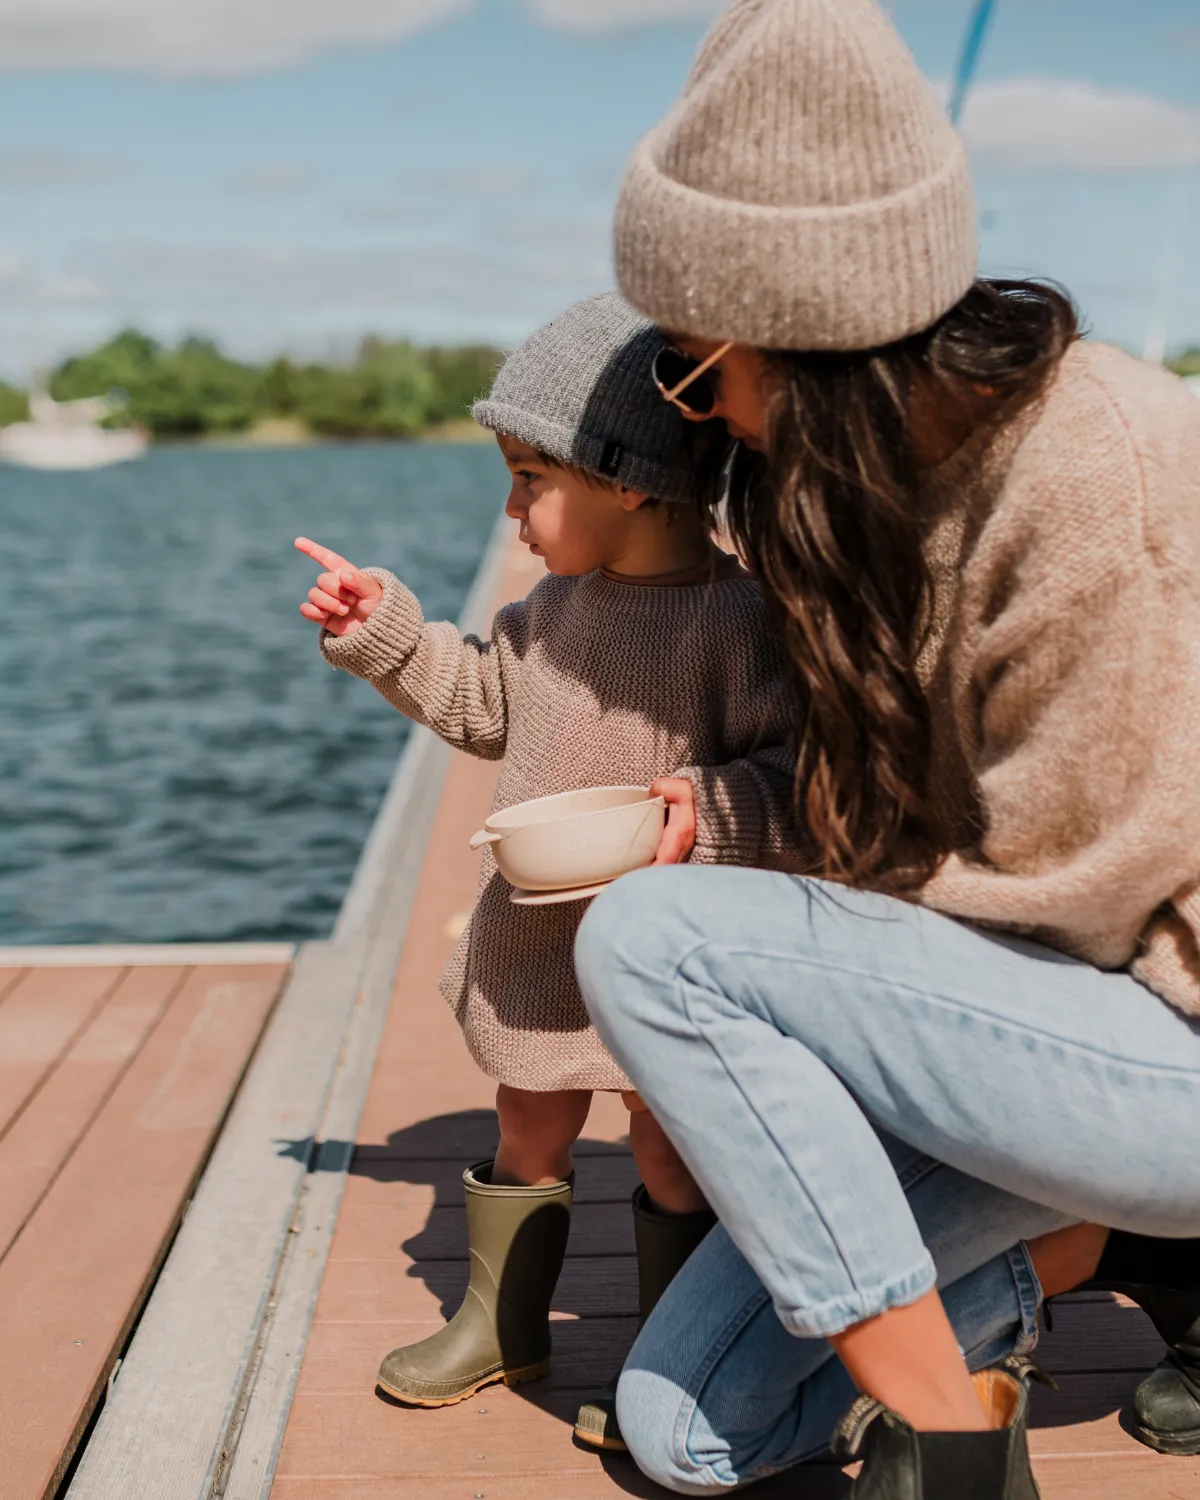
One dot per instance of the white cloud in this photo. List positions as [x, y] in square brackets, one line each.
[236, 36]
[1058, 124]
[56, 169]
[618, 15]
[215, 287]
[200, 36]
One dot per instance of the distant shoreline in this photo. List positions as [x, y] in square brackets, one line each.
[283, 432]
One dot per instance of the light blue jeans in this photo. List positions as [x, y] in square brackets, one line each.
[776, 1026]
[716, 1393]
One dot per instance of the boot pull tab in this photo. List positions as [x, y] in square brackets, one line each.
[848, 1435]
[1024, 1370]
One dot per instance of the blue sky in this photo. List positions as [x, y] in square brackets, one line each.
[292, 175]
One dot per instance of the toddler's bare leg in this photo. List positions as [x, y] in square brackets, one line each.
[1065, 1257]
[671, 1186]
[537, 1132]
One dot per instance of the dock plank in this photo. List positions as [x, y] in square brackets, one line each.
[1100, 1337]
[40, 1017]
[76, 1276]
[45, 1133]
[1119, 1476]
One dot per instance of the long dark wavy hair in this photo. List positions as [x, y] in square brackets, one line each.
[831, 522]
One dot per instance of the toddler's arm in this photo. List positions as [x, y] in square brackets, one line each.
[740, 813]
[429, 672]
[744, 811]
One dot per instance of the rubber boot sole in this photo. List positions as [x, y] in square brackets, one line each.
[507, 1377]
[594, 1440]
[1178, 1444]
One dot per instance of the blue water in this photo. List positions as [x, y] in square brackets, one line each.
[176, 760]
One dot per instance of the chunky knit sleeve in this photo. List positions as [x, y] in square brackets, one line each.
[744, 805]
[1080, 703]
[744, 812]
[431, 673]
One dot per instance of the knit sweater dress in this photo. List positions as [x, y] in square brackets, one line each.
[590, 681]
[1063, 672]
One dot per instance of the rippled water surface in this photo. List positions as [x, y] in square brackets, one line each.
[176, 761]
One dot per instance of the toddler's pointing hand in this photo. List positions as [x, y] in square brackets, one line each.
[344, 598]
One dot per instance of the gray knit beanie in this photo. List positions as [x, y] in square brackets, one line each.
[805, 192]
[580, 391]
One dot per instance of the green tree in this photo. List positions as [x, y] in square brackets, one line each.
[279, 393]
[460, 376]
[180, 392]
[14, 405]
[1188, 363]
[130, 363]
[199, 390]
[387, 392]
[392, 389]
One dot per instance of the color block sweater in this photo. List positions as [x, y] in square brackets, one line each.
[1064, 672]
[589, 681]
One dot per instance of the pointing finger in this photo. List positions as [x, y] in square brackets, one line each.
[323, 555]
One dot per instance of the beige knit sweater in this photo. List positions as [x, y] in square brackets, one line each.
[1065, 672]
[589, 681]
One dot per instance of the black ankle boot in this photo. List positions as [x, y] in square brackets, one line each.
[1163, 1278]
[900, 1463]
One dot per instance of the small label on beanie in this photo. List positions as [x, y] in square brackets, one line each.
[610, 460]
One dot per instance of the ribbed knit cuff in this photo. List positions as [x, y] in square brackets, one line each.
[387, 640]
[729, 815]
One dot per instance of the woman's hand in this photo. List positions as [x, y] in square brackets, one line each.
[679, 836]
[344, 599]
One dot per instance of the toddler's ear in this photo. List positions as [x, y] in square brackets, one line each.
[631, 499]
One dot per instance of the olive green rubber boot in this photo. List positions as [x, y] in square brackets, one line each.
[664, 1243]
[517, 1238]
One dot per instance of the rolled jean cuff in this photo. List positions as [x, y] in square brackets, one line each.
[826, 1319]
[999, 1304]
[1029, 1296]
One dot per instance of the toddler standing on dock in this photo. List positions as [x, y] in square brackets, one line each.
[645, 654]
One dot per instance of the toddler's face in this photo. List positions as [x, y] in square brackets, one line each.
[576, 526]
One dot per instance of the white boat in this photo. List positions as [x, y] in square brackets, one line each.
[68, 435]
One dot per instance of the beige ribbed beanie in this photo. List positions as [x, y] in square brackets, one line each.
[806, 191]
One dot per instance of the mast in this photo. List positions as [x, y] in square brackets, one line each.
[969, 57]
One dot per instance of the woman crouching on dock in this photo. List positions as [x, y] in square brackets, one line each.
[981, 539]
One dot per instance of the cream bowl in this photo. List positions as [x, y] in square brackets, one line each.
[575, 839]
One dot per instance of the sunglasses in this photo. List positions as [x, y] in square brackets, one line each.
[690, 384]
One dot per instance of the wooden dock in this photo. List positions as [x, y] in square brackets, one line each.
[115, 1077]
[328, 1224]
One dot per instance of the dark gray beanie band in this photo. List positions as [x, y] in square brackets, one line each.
[606, 458]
